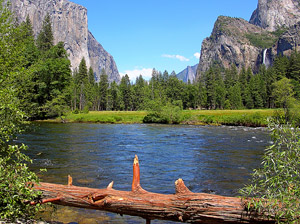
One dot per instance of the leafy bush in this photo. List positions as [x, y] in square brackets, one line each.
[16, 179]
[16, 183]
[277, 182]
[169, 114]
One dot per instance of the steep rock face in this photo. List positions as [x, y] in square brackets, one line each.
[272, 14]
[70, 25]
[288, 41]
[100, 59]
[188, 74]
[230, 43]
[236, 41]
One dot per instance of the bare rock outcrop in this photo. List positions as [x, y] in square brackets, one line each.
[273, 14]
[188, 74]
[289, 41]
[231, 43]
[70, 25]
[273, 29]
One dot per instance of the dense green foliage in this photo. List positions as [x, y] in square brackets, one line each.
[43, 89]
[49, 90]
[218, 88]
[277, 182]
[15, 177]
[169, 114]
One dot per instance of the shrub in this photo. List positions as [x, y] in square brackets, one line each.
[169, 114]
[277, 182]
[16, 183]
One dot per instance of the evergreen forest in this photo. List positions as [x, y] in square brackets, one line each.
[47, 87]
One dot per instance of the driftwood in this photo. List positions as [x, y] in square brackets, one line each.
[183, 206]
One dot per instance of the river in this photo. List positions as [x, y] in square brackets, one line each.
[208, 158]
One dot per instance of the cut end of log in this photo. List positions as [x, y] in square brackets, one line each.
[180, 187]
[70, 181]
[110, 186]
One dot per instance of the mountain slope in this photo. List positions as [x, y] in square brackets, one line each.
[231, 43]
[188, 74]
[70, 25]
[235, 41]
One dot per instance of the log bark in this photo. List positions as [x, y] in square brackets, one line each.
[183, 206]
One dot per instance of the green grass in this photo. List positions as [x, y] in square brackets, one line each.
[107, 117]
[253, 118]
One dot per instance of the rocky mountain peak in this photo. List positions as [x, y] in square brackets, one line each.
[69, 25]
[188, 74]
[230, 43]
[272, 14]
[273, 29]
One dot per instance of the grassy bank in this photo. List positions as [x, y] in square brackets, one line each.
[252, 118]
[107, 117]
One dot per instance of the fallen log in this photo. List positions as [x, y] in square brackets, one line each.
[183, 206]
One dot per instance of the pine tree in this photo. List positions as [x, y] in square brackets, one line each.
[91, 76]
[126, 95]
[281, 66]
[139, 93]
[81, 81]
[220, 91]
[45, 38]
[210, 89]
[114, 96]
[201, 96]
[103, 90]
[254, 87]
[234, 96]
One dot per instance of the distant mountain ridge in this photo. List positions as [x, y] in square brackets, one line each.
[188, 74]
[70, 25]
[273, 29]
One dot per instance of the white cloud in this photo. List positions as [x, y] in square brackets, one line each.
[197, 55]
[179, 57]
[145, 72]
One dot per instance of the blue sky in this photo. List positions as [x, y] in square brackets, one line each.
[161, 34]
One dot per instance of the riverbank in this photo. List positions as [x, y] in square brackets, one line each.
[250, 118]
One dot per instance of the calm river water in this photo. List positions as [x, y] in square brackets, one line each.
[209, 159]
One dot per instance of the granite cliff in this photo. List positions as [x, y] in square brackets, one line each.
[188, 74]
[70, 25]
[273, 29]
[273, 14]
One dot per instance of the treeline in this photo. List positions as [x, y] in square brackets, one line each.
[217, 89]
[47, 87]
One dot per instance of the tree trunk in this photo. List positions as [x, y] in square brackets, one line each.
[183, 206]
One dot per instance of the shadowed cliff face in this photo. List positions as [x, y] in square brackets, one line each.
[231, 43]
[288, 41]
[271, 14]
[99, 59]
[250, 44]
[70, 25]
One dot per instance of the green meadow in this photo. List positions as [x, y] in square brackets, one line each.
[253, 118]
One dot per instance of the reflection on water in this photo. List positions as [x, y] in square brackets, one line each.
[208, 159]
